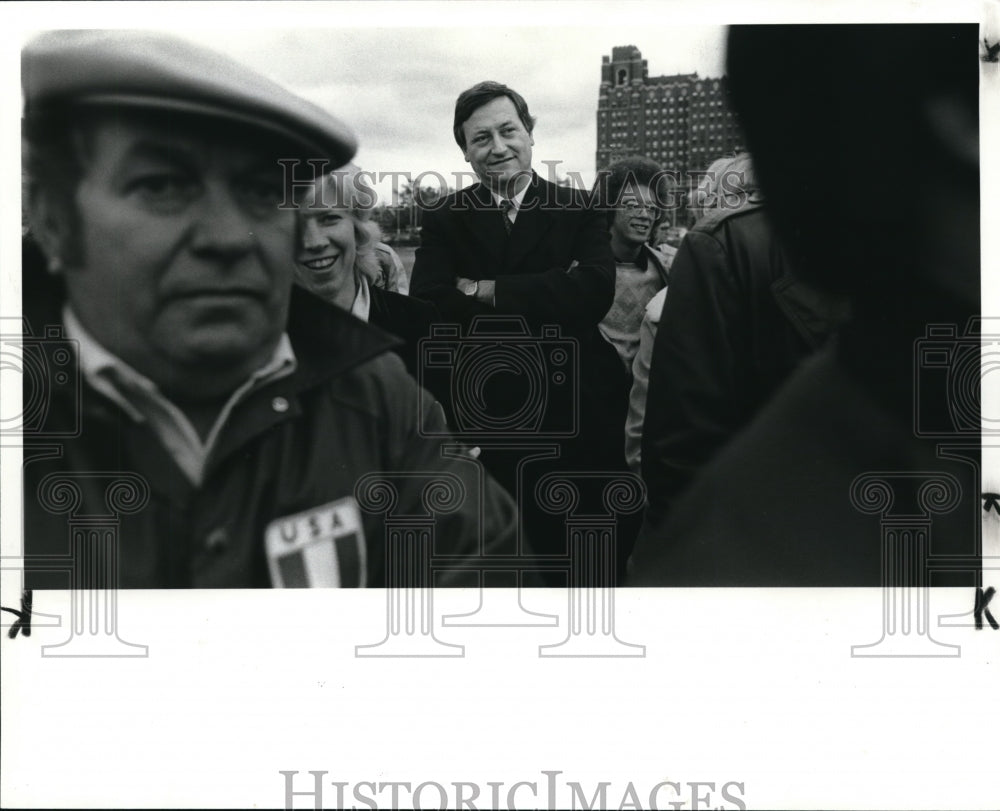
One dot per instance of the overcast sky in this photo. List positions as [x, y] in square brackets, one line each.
[397, 86]
[393, 70]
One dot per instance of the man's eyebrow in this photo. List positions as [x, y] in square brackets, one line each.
[151, 150]
[259, 162]
[480, 130]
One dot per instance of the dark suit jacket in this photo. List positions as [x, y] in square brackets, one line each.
[555, 228]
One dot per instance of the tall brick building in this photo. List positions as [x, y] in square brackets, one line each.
[681, 121]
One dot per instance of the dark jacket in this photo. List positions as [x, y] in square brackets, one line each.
[832, 484]
[735, 324]
[296, 447]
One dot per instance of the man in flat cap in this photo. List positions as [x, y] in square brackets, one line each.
[245, 434]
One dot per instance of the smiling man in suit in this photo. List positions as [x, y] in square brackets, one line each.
[513, 244]
[518, 246]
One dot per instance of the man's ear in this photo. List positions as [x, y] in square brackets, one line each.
[50, 227]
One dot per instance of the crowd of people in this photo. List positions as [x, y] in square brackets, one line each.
[251, 350]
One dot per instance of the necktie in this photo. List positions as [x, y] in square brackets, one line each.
[505, 207]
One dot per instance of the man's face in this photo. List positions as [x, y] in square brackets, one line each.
[635, 215]
[186, 258]
[497, 145]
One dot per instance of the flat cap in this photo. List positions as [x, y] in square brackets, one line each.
[150, 70]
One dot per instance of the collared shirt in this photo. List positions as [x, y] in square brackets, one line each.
[515, 202]
[362, 306]
[141, 399]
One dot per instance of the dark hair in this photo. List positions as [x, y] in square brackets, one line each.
[831, 111]
[483, 93]
[56, 150]
[635, 172]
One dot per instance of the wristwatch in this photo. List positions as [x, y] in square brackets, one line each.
[472, 289]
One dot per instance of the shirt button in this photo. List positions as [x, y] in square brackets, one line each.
[217, 540]
[279, 404]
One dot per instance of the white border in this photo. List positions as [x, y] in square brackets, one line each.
[755, 686]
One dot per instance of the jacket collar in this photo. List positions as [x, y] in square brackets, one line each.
[484, 195]
[650, 256]
[656, 259]
[329, 341]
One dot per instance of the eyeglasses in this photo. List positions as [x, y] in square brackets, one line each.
[635, 208]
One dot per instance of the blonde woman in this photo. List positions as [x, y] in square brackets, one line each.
[340, 259]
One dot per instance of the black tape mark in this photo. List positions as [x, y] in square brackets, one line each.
[23, 623]
[982, 607]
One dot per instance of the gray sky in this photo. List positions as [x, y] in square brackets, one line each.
[397, 86]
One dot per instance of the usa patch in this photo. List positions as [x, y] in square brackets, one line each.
[323, 547]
